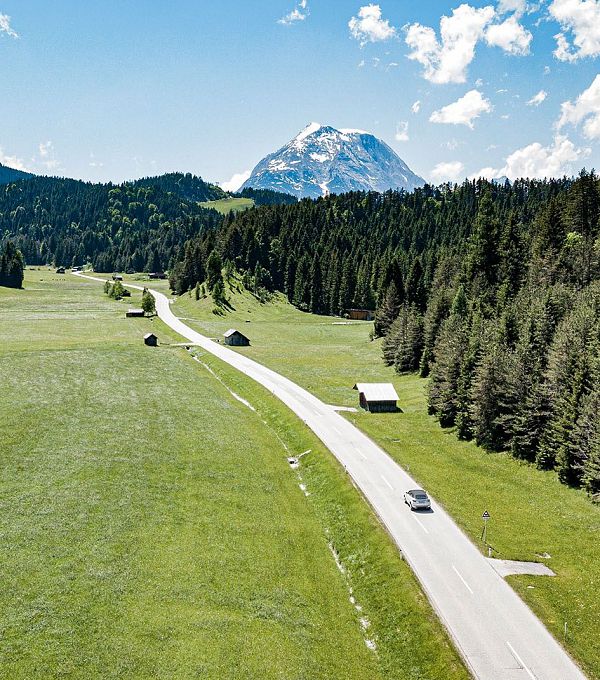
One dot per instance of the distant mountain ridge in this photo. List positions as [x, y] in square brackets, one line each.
[321, 160]
[8, 175]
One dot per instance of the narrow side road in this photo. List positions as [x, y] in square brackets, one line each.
[498, 636]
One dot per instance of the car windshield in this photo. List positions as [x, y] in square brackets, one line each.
[421, 496]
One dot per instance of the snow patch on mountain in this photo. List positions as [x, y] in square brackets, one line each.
[322, 160]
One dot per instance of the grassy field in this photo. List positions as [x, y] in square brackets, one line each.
[151, 526]
[227, 205]
[532, 514]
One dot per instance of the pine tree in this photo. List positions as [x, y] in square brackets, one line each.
[214, 266]
[388, 310]
[317, 303]
[403, 345]
[489, 394]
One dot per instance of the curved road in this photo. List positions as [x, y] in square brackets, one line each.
[497, 635]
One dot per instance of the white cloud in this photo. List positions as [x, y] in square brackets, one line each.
[46, 148]
[46, 156]
[6, 28]
[510, 36]
[12, 161]
[519, 7]
[447, 172]
[299, 13]
[361, 63]
[368, 26]
[236, 181]
[537, 99]
[486, 173]
[447, 61]
[586, 109]
[416, 107]
[402, 131]
[464, 110]
[581, 19]
[95, 163]
[537, 161]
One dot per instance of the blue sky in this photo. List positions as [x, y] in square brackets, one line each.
[120, 89]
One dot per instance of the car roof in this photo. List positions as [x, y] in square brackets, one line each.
[413, 491]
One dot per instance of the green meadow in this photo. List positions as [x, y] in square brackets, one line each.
[152, 528]
[229, 204]
[532, 514]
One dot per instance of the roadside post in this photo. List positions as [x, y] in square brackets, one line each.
[485, 517]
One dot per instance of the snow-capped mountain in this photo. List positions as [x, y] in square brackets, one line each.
[323, 160]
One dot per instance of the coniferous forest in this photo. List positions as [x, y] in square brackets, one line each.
[136, 226]
[492, 291]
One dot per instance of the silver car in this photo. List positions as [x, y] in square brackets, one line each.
[417, 499]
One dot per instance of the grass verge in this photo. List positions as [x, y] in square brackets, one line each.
[532, 514]
[151, 526]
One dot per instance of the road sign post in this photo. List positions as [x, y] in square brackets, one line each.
[485, 517]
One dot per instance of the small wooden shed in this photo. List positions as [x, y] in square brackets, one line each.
[157, 275]
[361, 314]
[134, 311]
[117, 277]
[151, 340]
[377, 397]
[235, 338]
[60, 270]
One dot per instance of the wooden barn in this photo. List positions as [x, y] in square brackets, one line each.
[133, 311]
[361, 314]
[151, 340]
[60, 270]
[235, 338]
[377, 397]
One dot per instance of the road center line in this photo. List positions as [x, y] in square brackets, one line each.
[386, 481]
[520, 661]
[467, 586]
[360, 453]
[421, 525]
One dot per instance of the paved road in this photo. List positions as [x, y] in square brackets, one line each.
[496, 633]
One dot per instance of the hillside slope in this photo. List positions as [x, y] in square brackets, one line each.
[8, 175]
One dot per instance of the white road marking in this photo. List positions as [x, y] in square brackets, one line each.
[421, 525]
[386, 481]
[520, 661]
[360, 453]
[467, 586]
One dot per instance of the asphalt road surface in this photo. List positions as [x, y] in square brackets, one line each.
[497, 635]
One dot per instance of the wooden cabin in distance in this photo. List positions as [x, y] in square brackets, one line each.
[361, 314]
[133, 311]
[150, 339]
[234, 338]
[377, 397]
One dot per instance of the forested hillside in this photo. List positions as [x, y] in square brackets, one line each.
[491, 290]
[138, 226]
[11, 175]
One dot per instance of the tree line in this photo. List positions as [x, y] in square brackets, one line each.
[510, 334]
[490, 290]
[12, 266]
[134, 226]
